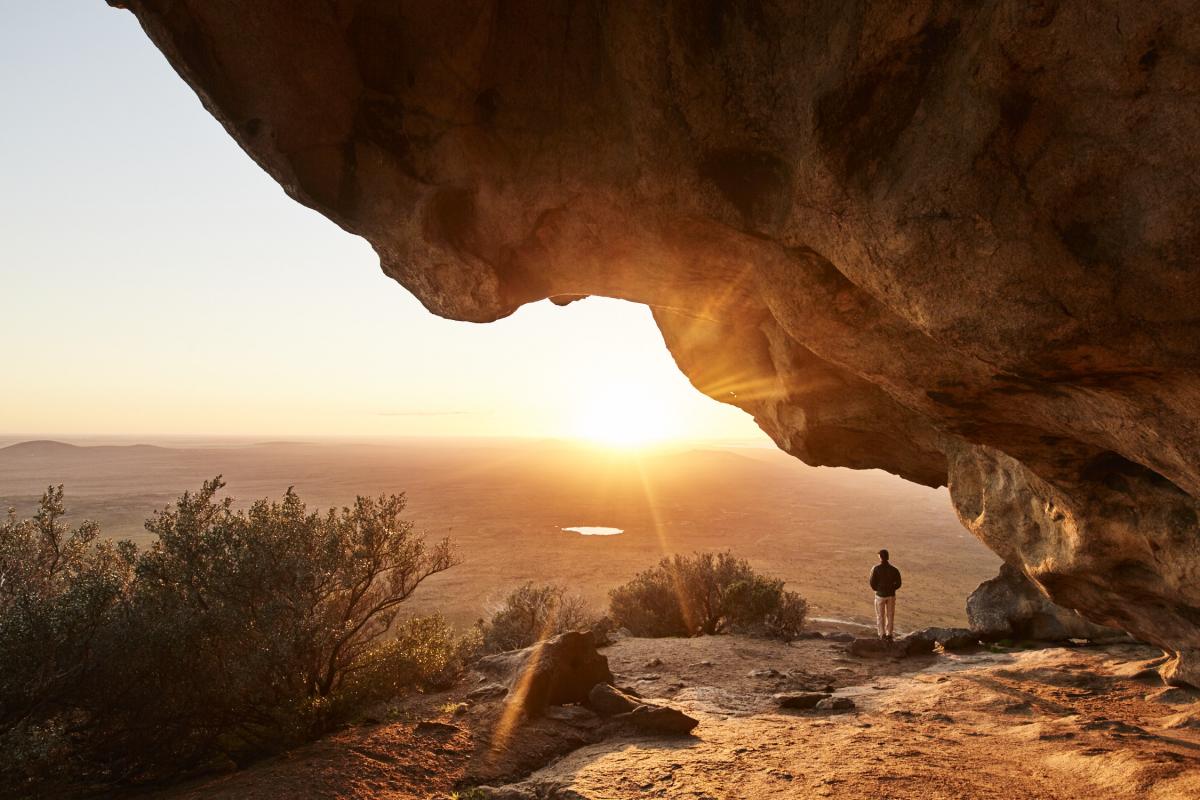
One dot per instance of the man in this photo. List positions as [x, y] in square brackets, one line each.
[885, 580]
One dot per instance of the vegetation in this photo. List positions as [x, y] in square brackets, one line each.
[706, 593]
[531, 613]
[235, 634]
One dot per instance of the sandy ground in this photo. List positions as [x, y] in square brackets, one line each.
[1055, 723]
[1049, 723]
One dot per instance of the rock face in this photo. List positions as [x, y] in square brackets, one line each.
[1010, 607]
[956, 242]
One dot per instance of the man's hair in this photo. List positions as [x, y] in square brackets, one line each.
[883, 554]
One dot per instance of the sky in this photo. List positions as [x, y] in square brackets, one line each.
[155, 282]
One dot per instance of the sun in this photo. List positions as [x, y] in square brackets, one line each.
[624, 417]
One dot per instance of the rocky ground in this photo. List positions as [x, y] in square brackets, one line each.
[1056, 722]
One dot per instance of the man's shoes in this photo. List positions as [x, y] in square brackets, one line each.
[887, 638]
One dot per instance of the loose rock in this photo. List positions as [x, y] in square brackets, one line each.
[802, 700]
[659, 719]
[835, 704]
[764, 673]
[488, 691]
[608, 700]
[950, 638]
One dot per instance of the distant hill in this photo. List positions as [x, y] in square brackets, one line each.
[40, 447]
[50, 448]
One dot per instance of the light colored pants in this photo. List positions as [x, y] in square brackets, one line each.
[885, 614]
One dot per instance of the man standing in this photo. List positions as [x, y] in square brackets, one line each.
[885, 580]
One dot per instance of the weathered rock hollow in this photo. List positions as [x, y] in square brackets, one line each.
[953, 241]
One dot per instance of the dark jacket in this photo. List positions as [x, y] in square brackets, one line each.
[885, 580]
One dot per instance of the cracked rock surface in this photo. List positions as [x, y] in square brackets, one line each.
[954, 242]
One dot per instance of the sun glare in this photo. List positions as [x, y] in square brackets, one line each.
[625, 418]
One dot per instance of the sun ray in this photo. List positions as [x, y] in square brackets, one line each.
[685, 609]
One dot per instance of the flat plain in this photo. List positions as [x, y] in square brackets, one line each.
[505, 502]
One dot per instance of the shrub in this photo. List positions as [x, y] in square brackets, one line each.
[706, 593]
[423, 653]
[235, 634]
[61, 592]
[531, 613]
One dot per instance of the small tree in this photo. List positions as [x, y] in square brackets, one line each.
[531, 613]
[276, 605]
[706, 593]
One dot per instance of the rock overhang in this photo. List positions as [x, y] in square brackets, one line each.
[954, 243]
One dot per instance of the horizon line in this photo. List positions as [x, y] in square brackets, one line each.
[8, 439]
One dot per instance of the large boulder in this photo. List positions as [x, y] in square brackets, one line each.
[1009, 606]
[954, 241]
[552, 672]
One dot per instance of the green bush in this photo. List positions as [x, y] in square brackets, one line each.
[422, 653]
[531, 613]
[235, 634]
[706, 593]
[62, 593]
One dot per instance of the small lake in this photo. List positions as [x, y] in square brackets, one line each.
[584, 530]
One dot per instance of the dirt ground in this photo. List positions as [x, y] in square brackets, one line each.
[1062, 722]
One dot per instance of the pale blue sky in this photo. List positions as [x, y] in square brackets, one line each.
[154, 281]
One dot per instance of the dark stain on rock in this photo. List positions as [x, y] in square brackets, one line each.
[962, 401]
[250, 127]
[710, 24]
[1015, 107]
[858, 124]
[941, 398]
[347, 196]
[376, 29]
[1118, 473]
[1081, 241]
[486, 104]
[1149, 58]
[706, 22]
[449, 217]
[1009, 384]
[757, 184]
[380, 120]
[1039, 13]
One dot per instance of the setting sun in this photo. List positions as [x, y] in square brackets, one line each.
[625, 416]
